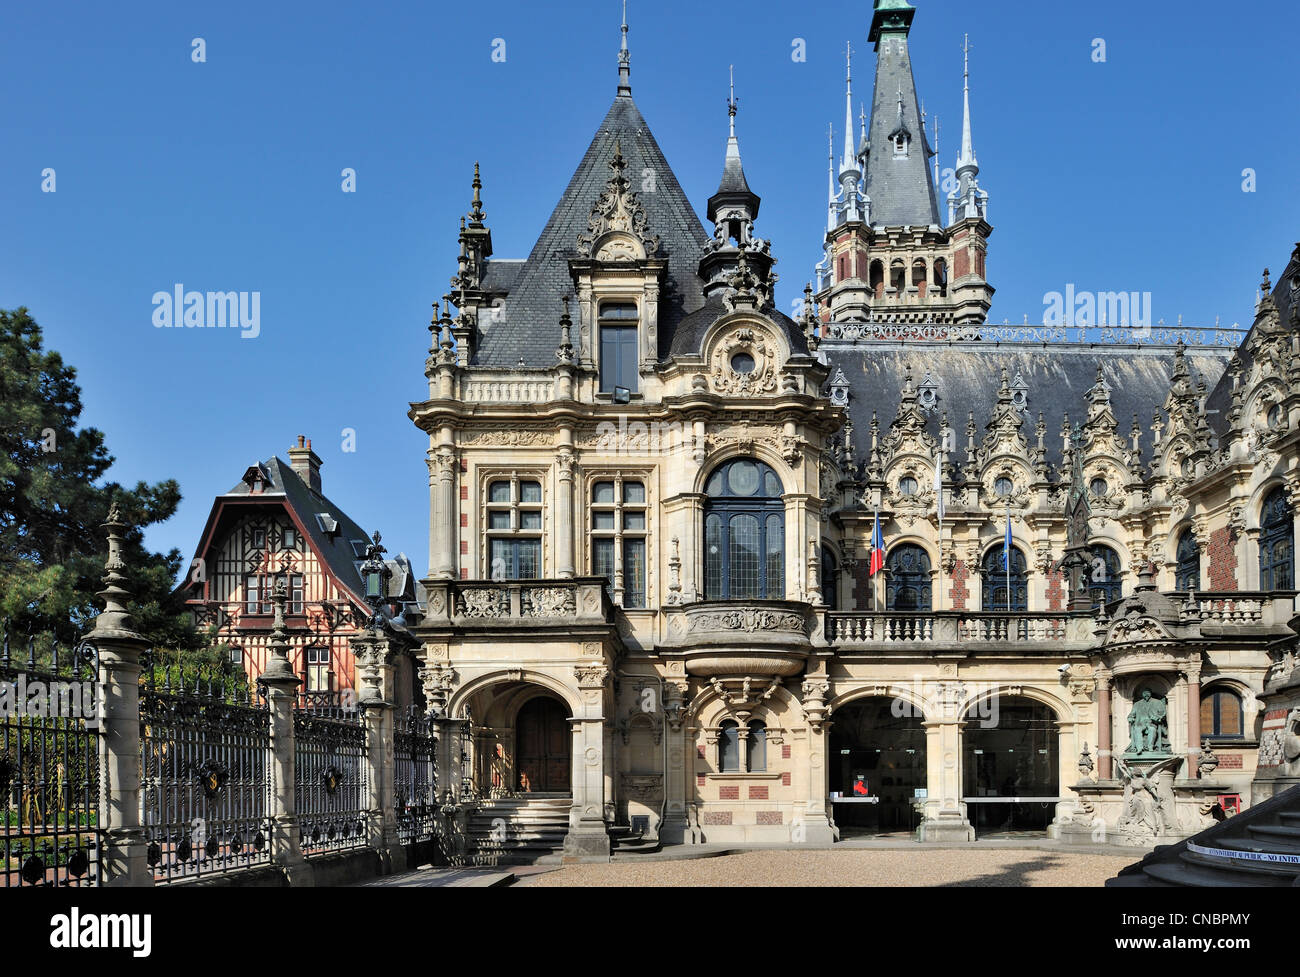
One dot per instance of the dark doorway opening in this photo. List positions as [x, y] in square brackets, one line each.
[1012, 766]
[877, 765]
[542, 747]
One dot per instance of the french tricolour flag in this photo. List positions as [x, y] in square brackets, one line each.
[877, 548]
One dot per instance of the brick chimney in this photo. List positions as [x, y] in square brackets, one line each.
[305, 463]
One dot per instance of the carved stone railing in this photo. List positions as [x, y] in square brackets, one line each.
[754, 637]
[508, 390]
[854, 629]
[531, 603]
[1228, 608]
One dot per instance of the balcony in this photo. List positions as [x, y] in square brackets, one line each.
[517, 603]
[749, 637]
[953, 630]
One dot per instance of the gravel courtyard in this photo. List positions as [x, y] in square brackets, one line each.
[850, 868]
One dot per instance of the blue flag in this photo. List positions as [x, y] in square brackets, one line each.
[1006, 543]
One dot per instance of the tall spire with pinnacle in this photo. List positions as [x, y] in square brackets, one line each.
[624, 61]
[968, 200]
[830, 174]
[849, 163]
[967, 157]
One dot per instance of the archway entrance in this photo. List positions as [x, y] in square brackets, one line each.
[543, 747]
[877, 766]
[1011, 777]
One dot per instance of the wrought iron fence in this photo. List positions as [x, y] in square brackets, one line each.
[330, 777]
[205, 785]
[415, 781]
[49, 764]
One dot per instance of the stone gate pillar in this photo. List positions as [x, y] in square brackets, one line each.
[587, 837]
[281, 691]
[123, 862]
[374, 657]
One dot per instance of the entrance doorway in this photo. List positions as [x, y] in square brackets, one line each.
[1012, 766]
[542, 747]
[877, 766]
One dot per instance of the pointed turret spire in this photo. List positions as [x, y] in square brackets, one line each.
[476, 214]
[968, 200]
[849, 163]
[624, 61]
[830, 174]
[967, 158]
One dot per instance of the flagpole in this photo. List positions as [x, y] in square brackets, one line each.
[1008, 559]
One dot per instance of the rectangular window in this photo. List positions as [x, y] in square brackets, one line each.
[602, 560]
[618, 346]
[318, 669]
[295, 593]
[516, 559]
[259, 538]
[618, 546]
[252, 589]
[290, 538]
[634, 572]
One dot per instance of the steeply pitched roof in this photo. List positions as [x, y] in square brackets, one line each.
[968, 375]
[900, 189]
[332, 531]
[528, 325]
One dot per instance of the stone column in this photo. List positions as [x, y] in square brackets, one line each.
[945, 820]
[1193, 722]
[1104, 725]
[443, 530]
[681, 764]
[123, 861]
[813, 826]
[587, 837]
[564, 556]
[281, 690]
[374, 658]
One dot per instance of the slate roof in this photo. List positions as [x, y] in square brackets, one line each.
[690, 331]
[900, 189]
[969, 373]
[334, 548]
[1221, 394]
[529, 325]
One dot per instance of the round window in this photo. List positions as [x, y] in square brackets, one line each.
[907, 485]
[742, 363]
[1098, 486]
[1002, 486]
[744, 478]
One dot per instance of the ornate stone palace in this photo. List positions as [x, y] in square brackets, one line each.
[653, 498]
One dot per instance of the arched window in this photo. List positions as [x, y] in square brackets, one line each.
[909, 578]
[941, 276]
[1222, 715]
[1104, 575]
[1276, 544]
[897, 275]
[878, 278]
[1187, 574]
[996, 596]
[757, 746]
[830, 579]
[744, 533]
[729, 747]
[918, 275]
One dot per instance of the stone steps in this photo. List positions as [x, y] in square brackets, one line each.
[517, 830]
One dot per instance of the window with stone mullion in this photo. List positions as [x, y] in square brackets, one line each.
[618, 541]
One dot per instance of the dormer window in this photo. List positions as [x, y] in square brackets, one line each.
[901, 143]
[617, 323]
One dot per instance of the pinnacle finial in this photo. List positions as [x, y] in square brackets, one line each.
[731, 101]
[476, 205]
[624, 60]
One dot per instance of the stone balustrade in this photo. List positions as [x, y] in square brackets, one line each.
[850, 629]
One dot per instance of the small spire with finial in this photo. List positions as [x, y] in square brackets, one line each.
[624, 60]
[476, 206]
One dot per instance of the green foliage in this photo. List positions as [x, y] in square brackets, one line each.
[205, 668]
[53, 500]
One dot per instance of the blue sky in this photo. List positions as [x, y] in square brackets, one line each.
[225, 175]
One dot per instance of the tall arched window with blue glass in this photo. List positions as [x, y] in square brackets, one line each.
[1276, 543]
[1004, 589]
[618, 348]
[744, 532]
[909, 587]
